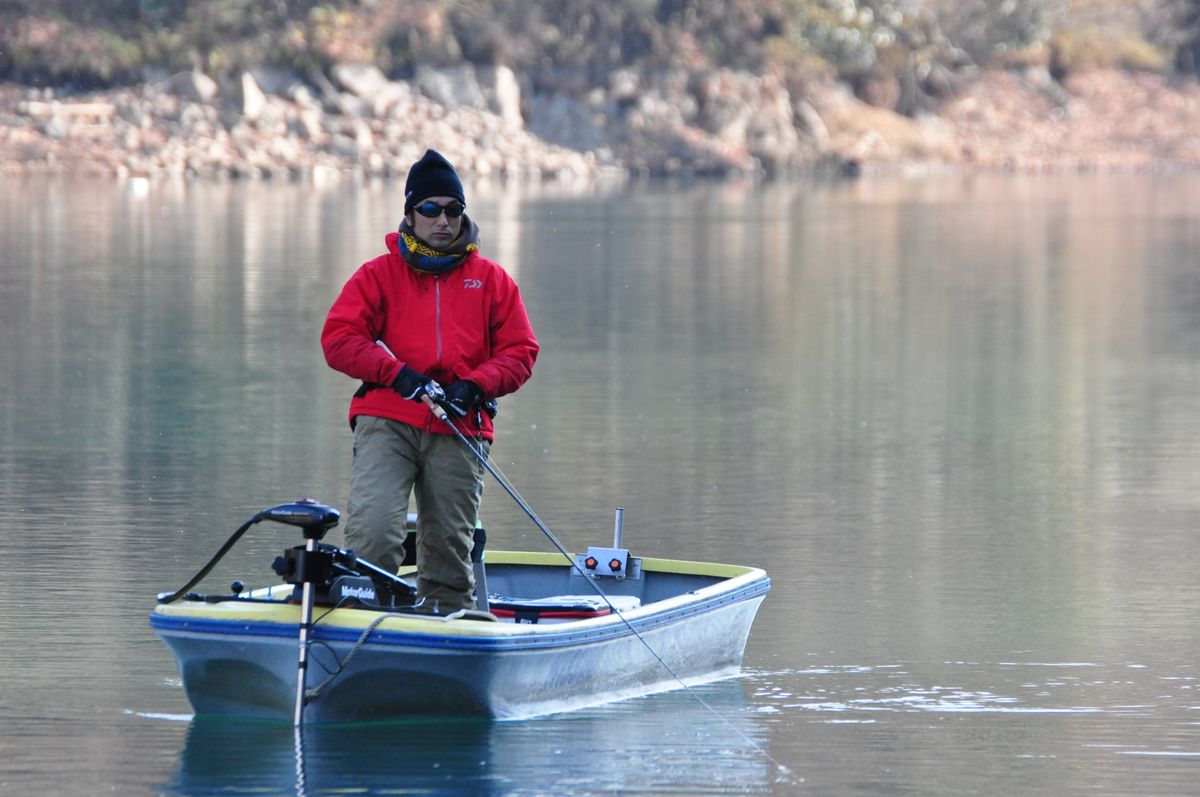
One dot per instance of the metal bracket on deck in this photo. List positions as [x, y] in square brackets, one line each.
[613, 563]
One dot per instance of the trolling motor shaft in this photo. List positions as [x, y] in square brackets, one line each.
[315, 520]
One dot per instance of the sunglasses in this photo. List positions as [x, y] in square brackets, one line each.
[431, 210]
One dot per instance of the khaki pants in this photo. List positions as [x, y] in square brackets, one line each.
[393, 460]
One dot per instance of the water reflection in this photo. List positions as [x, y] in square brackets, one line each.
[956, 727]
[697, 750]
[956, 419]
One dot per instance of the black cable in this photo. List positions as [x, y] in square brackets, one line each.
[164, 597]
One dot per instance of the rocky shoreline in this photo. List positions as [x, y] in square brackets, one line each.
[275, 125]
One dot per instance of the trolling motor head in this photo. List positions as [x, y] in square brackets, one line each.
[314, 518]
[336, 575]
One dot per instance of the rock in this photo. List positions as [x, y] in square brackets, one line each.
[1040, 79]
[303, 96]
[344, 146]
[334, 100]
[132, 113]
[879, 88]
[502, 92]
[454, 87]
[371, 86]
[364, 139]
[668, 122]
[771, 134]
[192, 86]
[361, 80]
[55, 126]
[623, 86]
[253, 99]
[562, 120]
[812, 122]
[280, 82]
[308, 124]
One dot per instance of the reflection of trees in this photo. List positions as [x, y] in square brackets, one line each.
[936, 375]
[941, 374]
[172, 347]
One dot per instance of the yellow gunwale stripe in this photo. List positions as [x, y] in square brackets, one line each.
[233, 611]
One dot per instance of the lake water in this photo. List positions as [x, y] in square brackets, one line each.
[956, 419]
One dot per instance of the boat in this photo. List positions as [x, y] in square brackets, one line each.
[340, 640]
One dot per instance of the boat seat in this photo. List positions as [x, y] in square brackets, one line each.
[558, 608]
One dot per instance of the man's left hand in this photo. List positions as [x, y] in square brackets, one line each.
[461, 397]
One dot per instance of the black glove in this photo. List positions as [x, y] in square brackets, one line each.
[461, 397]
[410, 383]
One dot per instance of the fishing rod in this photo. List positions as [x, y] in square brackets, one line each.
[440, 413]
[432, 394]
[431, 397]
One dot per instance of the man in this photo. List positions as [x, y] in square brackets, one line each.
[447, 318]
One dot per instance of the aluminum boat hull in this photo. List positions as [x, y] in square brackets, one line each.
[239, 658]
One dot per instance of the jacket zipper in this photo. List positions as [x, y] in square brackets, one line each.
[437, 318]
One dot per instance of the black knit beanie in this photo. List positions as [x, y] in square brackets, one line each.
[431, 176]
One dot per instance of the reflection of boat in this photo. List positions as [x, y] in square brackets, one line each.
[567, 642]
[664, 743]
[421, 757]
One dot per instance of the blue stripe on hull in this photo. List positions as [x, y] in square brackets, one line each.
[566, 638]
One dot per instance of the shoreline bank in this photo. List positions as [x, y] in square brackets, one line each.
[278, 126]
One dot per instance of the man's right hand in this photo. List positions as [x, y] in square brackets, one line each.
[411, 384]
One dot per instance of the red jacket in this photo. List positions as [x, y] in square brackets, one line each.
[465, 323]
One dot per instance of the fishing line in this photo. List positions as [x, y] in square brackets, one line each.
[441, 413]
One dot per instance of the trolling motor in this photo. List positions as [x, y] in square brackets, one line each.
[315, 520]
[327, 574]
[322, 573]
[340, 578]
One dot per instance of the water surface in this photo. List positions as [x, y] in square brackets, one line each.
[956, 419]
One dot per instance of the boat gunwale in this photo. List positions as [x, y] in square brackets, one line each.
[347, 624]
